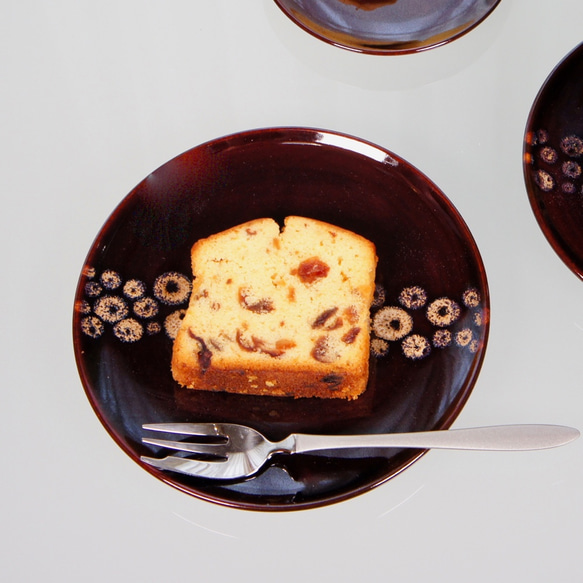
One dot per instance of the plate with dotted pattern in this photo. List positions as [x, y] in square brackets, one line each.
[429, 318]
[553, 159]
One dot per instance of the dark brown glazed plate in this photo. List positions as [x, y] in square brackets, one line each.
[553, 159]
[431, 283]
[387, 26]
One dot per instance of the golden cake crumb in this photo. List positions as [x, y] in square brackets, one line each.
[280, 312]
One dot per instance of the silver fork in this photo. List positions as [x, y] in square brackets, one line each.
[238, 451]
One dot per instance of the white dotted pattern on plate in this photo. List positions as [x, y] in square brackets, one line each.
[550, 178]
[395, 323]
[126, 307]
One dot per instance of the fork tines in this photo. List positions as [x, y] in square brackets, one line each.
[199, 438]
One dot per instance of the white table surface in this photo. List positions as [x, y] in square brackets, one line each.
[96, 95]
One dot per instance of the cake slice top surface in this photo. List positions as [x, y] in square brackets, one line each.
[264, 291]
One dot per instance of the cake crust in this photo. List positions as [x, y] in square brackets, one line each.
[279, 312]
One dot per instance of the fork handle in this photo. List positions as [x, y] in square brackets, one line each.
[494, 438]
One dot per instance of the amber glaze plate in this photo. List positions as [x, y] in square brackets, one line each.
[387, 26]
[431, 289]
[553, 159]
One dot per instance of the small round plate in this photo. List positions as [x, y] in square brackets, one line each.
[387, 26]
[553, 159]
[135, 285]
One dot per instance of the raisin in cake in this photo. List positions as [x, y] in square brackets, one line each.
[281, 312]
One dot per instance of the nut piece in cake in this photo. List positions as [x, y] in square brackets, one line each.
[280, 312]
